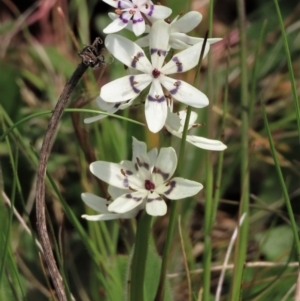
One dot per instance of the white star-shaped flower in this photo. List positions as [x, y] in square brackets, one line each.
[144, 179]
[131, 12]
[154, 73]
[100, 205]
[178, 29]
[175, 124]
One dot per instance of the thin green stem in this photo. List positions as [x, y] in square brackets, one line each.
[290, 66]
[209, 206]
[174, 205]
[139, 258]
[65, 110]
[283, 186]
[254, 71]
[241, 245]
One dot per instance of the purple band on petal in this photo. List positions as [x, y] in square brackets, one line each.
[178, 63]
[149, 200]
[120, 4]
[132, 83]
[123, 19]
[158, 51]
[157, 99]
[177, 85]
[136, 59]
[142, 164]
[172, 185]
[125, 182]
[151, 10]
[129, 196]
[164, 175]
[134, 21]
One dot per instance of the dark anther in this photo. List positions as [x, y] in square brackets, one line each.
[123, 172]
[176, 84]
[92, 55]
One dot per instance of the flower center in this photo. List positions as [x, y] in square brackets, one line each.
[149, 185]
[156, 73]
[135, 6]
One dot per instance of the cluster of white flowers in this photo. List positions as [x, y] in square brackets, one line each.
[139, 184]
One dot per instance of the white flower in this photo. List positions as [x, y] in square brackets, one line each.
[175, 124]
[100, 205]
[154, 73]
[144, 179]
[178, 29]
[109, 108]
[135, 10]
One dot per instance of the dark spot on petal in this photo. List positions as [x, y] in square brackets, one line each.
[177, 85]
[132, 83]
[164, 175]
[178, 63]
[159, 100]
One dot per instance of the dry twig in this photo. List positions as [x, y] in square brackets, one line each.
[91, 57]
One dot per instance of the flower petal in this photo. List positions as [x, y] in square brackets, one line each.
[179, 188]
[101, 217]
[127, 202]
[112, 173]
[172, 122]
[138, 24]
[95, 202]
[192, 40]
[187, 22]
[156, 206]
[128, 52]
[125, 88]
[116, 192]
[182, 117]
[156, 11]
[143, 41]
[139, 148]
[156, 108]
[184, 60]
[158, 42]
[124, 4]
[165, 165]
[209, 144]
[184, 92]
[117, 24]
[152, 155]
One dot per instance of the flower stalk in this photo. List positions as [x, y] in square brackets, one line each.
[139, 258]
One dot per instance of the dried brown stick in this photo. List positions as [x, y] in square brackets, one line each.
[91, 57]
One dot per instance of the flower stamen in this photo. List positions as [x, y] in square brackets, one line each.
[156, 73]
[149, 185]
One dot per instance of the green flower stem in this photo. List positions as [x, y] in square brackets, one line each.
[241, 243]
[209, 206]
[283, 186]
[290, 66]
[139, 258]
[174, 205]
